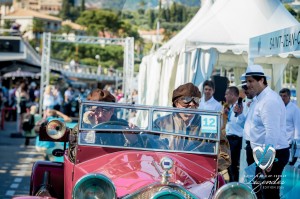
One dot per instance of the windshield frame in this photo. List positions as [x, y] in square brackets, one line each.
[151, 110]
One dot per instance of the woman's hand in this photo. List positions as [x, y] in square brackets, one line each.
[89, 117]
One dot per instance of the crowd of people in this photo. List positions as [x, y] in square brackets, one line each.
[252, 111]
[265, 119]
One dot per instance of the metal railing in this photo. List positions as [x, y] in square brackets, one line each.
[78, 70]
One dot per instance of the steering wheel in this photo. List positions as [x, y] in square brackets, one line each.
[111, 123]
[120, 124]
[153, 143]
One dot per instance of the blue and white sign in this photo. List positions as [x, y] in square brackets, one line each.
[274, 43]
[209, 124]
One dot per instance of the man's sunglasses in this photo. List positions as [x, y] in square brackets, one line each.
[187, 100]
[245, 87]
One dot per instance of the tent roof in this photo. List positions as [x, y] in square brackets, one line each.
[229, 24]
[181, 36]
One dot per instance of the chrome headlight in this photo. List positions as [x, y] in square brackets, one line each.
[94, 186]
[235, 190]
[56, 129]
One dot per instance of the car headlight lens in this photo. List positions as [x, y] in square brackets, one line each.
[56, 129]
[94, 186]
[235, 190]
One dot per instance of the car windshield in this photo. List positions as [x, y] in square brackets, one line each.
[149, 128]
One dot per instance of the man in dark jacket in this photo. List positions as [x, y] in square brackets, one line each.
[185, 96]
[188, 96]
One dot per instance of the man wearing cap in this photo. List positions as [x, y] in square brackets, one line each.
[292, 121]
[188, 96]
[185, 96]
[268, 127]
[208, 101]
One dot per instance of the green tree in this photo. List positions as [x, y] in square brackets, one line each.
[166, 14]
[173, 13]
[7, 24]
[184, 14]
[179, 13]
[38, 27]
[66, 29]
[291, 10]
[141, 9]
[74, 13]
[151, 18]
[65, 11]
[159, 10]
[167, 35]
[99, 20]
[142, 4]
[82, 7]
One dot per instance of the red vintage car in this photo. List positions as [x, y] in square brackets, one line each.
[139, 152]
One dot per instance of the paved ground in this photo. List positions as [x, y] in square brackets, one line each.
[16, 162]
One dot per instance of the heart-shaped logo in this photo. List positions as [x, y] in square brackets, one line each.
[264, 157]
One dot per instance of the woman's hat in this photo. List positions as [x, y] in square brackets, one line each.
[188, 90]
[101, 95]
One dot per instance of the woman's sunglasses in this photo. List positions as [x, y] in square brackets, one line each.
[187, 100]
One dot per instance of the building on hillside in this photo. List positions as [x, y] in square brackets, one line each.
[52, 7]
[152, 36]
[5, 7]
[76, 28]
[26, 18]
[295, 5]
[45, 6]
[6, 2]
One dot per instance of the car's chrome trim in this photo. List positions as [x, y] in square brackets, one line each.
[155, 188]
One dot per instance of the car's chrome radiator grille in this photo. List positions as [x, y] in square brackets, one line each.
[149, 192]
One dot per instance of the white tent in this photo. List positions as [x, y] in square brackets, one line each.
[217, 37]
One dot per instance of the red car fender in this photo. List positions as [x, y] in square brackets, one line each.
[55, 179]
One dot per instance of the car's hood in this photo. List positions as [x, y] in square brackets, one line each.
[132, 170]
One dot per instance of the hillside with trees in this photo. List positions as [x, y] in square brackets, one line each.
[119, 23]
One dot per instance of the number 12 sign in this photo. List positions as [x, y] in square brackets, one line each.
[209, 124]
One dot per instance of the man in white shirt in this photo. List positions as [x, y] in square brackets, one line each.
[234, 131]
[248, 112]
[268, 128]
[208, 102]
[292, 120]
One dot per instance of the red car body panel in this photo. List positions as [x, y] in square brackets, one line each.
[131, 170]
[68, 177]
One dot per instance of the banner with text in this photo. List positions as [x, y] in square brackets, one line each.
[274, 43]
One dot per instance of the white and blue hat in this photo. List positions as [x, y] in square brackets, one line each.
[254, 70]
